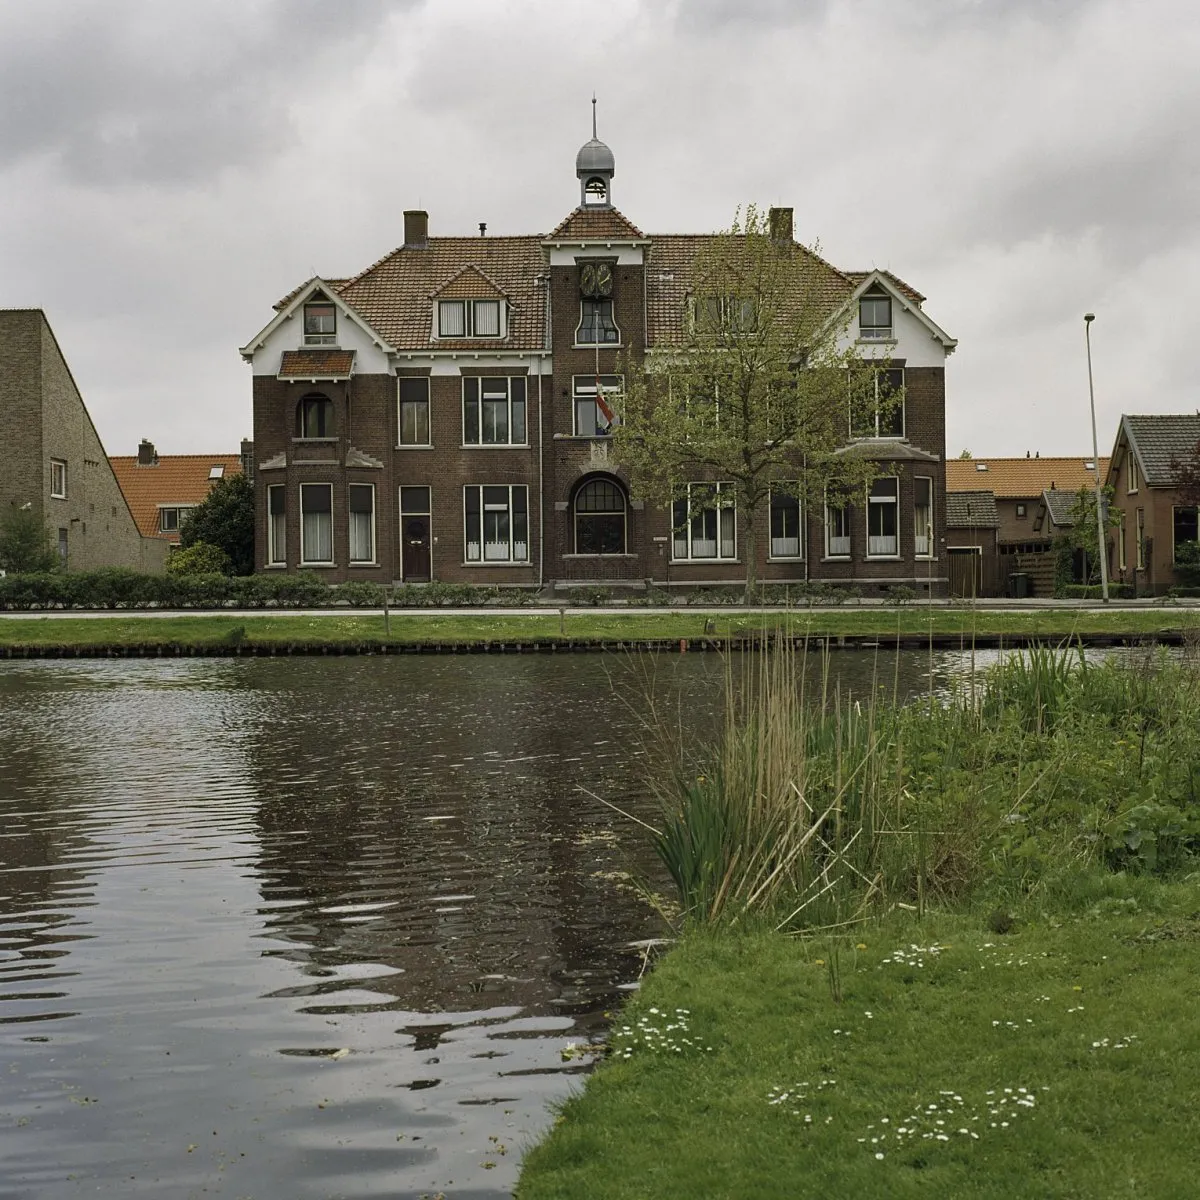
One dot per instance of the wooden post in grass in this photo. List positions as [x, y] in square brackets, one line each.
[387, 615]
[562, 622]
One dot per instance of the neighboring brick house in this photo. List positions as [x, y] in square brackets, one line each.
[163, 488]
[442, 415]
[1154, 519]
[52, 460]
[973, 560]
[1025, 530]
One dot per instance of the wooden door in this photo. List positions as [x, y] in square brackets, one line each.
[415, 540]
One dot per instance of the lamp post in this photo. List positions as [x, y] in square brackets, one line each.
[1088, 318]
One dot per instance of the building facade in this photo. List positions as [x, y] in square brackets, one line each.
[445, 414]
[1155, 519]
[53, 461]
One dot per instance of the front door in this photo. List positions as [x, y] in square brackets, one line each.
[415, 557]
[415, 533]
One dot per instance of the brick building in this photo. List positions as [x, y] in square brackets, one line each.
[1155, 519]
[443, 415]
[52, 459]
[163, 488]
[1030, 494]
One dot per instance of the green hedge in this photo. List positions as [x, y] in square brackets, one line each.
[1092, 591]
[122, 589]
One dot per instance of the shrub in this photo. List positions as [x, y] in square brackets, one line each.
[1187, 564]
[1093, 591]
[200, 558]
[25, 542]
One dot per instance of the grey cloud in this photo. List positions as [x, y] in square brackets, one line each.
[135, 91]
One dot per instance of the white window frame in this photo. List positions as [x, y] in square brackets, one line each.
[320, 336]
[842, 550]
[276, 528]
[774, 555]
[1122, 561]
[469, 310]
[584, 390]
[58, 479]
[925, 535]
[481, 395]
[579, 328]
[401, 444]
[876, 333]
[1140, 533]
[1133, 479]
[875, 543]
[305, 560]
[476, 553]
[876, 371]
[372, 559]
[736, 315]
[725, 508]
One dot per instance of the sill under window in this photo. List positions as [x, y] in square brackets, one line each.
[602, 345]
[884, 558]
[415, 446]
[275, 566]
[703, 562]
[494, 446]
[507, 562]
[890, 340]
[793, 558]
[837, 558]
[322, 566]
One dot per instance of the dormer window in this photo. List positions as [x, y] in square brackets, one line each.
[875, 317]
[320, 323]
[734, 314]
[469, 318]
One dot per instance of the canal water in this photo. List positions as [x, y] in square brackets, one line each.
[322, 927]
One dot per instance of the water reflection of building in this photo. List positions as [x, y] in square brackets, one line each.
[458, 846]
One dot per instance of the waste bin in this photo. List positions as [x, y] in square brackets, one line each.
[1018, 583]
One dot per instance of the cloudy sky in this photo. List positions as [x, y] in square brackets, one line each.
[168, 170]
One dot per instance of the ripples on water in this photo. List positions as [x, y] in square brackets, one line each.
[311, 928]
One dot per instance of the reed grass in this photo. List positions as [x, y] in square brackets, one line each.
[814, 809]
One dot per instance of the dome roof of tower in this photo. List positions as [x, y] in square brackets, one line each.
[594, 157]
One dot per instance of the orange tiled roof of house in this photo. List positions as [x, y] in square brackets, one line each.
[173, 481]
[1017, 478]
[316, 364]
[588, 224]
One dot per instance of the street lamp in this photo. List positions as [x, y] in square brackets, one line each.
[1088, 318]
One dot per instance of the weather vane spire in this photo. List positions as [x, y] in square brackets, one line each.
[593, 116]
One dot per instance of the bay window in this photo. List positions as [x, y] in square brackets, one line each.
[883, 502]
[316, 522]
[362, 522]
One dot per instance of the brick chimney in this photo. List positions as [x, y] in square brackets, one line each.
[416, 229]
[780, 223]
[248, 458]
[147, 455]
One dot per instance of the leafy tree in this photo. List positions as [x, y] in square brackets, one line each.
[759, 392]
[225, 518]
[200, 558]
[1080, 534]
[1186, 471]
[965, 453]
[25, 542]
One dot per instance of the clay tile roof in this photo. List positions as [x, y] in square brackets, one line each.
[336, 284]
[468, 283]
[670, 279]
[971, 510]
[1021, 478]
[595, 225]
[316, 364]
[1160, 440]
[175, 479]
[905, 289]
[393, 295]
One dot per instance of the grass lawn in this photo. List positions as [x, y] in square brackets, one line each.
[579, 624]
[1057, 1060]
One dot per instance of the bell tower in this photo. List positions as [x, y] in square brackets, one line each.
[595, 167]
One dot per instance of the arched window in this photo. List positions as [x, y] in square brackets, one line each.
[600, 518]
[314, 416]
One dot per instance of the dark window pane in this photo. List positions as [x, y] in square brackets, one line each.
[416, 499]
[362, 498]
